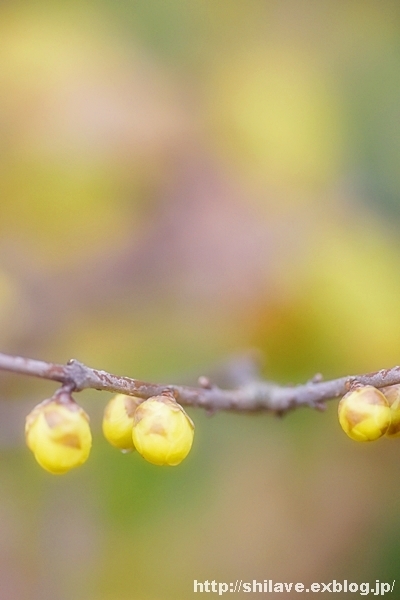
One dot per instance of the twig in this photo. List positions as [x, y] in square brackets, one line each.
[251, 397]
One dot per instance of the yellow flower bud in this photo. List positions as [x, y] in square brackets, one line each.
[118, 421]
[364, 414]
[162, 431]
[392, 395]
[58, 434]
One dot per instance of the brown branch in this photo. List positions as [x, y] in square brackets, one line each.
[251, 397]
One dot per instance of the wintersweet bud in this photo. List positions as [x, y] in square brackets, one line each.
[392, 395]
[58, 433]
[364, 414]
[162, 431]
[118, 421]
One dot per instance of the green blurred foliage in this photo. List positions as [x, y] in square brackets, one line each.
[180, 182]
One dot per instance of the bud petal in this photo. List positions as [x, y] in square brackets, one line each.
[162, 431]
[118, 421]
[392, 395]
[58, 434]
[364, 414]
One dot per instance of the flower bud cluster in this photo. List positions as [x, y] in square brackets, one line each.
[158, 428]
[57, 430]
[367, 414]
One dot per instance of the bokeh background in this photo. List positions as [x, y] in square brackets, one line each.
[180, 182]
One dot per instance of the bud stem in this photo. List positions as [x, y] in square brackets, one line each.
[254, 396]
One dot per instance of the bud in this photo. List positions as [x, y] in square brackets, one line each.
[58, 433]
[162, 431]
[118, 421]
[364, 414]
[392, 395]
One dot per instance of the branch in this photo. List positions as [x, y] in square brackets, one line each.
[251, 397]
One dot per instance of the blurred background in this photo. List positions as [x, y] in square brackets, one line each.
[179, 182]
